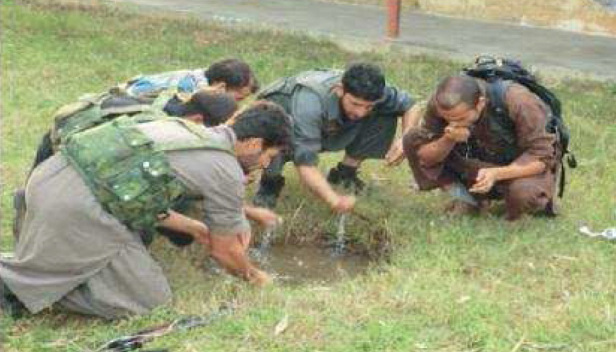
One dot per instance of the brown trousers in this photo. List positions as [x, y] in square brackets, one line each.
[527, 195]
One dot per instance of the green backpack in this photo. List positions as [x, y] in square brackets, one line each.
[128, 173]
[94, 109]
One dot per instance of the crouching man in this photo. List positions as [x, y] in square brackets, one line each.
[81, 244]
[477, 152]
[355, 111]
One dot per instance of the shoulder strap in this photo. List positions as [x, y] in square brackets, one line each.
[496, 90]
[202, 142]
[320, 81]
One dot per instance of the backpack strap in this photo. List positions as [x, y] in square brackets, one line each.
[202, 142]
[496, 91]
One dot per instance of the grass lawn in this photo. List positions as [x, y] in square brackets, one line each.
[451, 284]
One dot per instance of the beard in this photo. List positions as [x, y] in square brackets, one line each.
[249, 163]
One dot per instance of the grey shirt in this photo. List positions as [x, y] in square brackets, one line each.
[68, 242]
[215, 175]
[322, 126]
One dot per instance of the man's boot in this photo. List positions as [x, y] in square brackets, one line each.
[345, 176]
[269, 190]
[19, 204]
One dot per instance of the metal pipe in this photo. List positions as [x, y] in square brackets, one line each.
[393, 19]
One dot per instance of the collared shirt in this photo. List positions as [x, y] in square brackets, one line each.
[321, 126]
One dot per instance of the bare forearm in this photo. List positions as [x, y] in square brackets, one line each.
[411, 118]
[312, 177]
[436, 151]
[230, 251]
[513, 170]
[250, 211]
[181, 223]
[235, 262]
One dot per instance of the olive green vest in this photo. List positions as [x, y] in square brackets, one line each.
[318, 81]
[87, 113]
[128, 173]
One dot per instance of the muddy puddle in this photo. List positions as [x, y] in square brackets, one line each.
[297, 265]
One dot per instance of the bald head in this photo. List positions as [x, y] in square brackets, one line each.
[455, 90]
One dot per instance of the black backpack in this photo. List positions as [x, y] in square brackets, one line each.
[497, 70]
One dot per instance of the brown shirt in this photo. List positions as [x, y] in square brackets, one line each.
[528, 115]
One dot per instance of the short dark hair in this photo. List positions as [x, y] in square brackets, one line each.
[255, 85]
[265, 120]
[364, 81]
[455, 90]
[216, 108]
[234, 73]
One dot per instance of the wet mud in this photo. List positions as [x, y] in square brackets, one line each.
[311, 264]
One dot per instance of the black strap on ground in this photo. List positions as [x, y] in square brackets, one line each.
[138, 340]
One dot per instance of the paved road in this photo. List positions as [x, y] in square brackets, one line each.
[553, 50]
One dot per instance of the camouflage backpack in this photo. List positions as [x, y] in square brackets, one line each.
[128, 173]
[92, 110]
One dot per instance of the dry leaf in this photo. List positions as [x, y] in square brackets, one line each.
[282, 325]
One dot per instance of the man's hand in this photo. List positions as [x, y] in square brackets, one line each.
[458, 134]
[343, 204]
[486, 178]
[265, 217]
[395, 155]
[200, 232]
[313, 178]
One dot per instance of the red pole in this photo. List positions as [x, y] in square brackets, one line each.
[393, 19]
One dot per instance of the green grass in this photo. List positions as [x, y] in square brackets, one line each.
[452, 284]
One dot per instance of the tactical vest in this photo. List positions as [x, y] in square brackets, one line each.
[92, 110]
[128, 173]
[320, 82]
[502, 128]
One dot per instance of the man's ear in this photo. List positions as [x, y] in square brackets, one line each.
[219, 86]
[249, 145]
[338, 90]
[196, 118]
[256, 143]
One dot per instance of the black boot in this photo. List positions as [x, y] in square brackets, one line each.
[269, 190]
[10, 305]
[345, 176]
